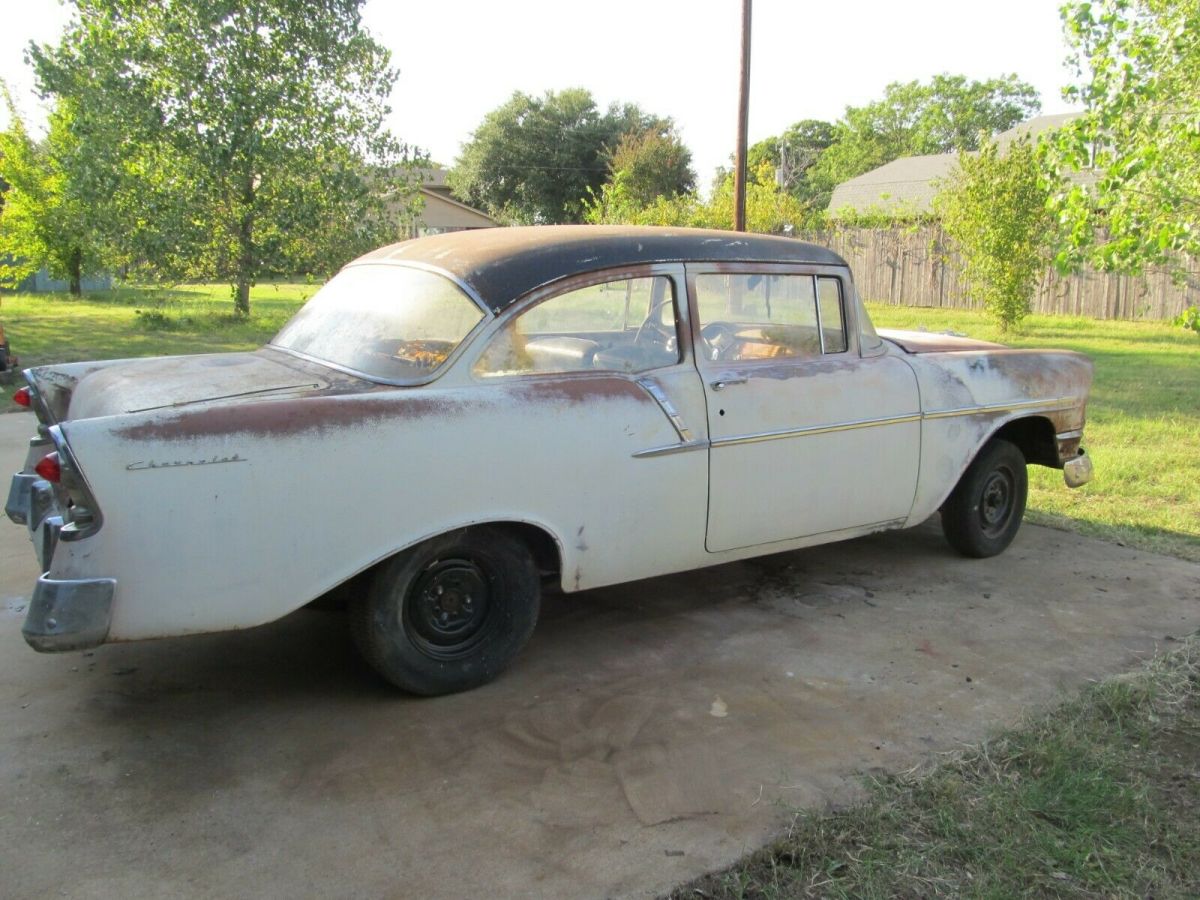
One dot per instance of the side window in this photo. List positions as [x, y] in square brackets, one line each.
[833, 319]
[624, 325]
[748, 316]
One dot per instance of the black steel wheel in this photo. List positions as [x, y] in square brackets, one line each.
[449, 614]
[984, 512]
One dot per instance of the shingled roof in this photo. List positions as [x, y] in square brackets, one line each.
[907, 186]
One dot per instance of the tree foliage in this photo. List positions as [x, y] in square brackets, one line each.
[535, 160]
[912, 119]
[229, 140]
[44, 221]
[994, 210]
[1139, 65]
[768, 209]
[792, 154]
[652, 163]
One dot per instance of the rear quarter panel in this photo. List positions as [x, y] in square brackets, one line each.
[231, 516]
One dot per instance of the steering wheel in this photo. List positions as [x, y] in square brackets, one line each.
[653, 329]
[718, 338]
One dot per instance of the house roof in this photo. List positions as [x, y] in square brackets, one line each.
[905, 185]
[503, 264]
[909, 184]
[443, 211]
[1035, 127]
[432, 177]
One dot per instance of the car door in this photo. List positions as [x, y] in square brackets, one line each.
[603, 423]
[808, 435]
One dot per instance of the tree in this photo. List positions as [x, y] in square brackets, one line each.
[792, 154]
[994, 210]
[768, 209]
[1139, 64]
[537, 159]
[228, 140]
[652, 163]
[44, 222]
[949, 113]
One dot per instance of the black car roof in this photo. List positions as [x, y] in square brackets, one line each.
[503, 264]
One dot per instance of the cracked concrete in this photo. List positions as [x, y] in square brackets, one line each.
[650, 732]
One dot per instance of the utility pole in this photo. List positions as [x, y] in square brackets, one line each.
[739, 165]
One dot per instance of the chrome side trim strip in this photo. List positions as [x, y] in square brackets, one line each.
[661, 398]
[814, 429]
[672, 448]
[1000, 407]
[1061, 402]
[1070, 435]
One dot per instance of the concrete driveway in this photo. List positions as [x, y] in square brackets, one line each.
[649, 733]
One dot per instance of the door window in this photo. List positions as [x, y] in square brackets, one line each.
[624, 325]
[747, 316]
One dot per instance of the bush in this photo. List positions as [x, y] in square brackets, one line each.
[993, 209]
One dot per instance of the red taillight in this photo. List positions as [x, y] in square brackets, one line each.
[49, 468]
[22, 397]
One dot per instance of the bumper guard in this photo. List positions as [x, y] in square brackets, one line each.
[1077, 471]
[20, 495]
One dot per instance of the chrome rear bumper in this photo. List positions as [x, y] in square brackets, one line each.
[69, 614]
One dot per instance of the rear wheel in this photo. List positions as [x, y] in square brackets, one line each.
[449, 614]
[984, 512]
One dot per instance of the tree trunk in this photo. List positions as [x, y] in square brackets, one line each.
[245, 257]
[241, 296]
[75, 271]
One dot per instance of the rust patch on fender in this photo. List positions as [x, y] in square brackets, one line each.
[797, 368]
[283, 418]
[1044, 371]
[579, 389]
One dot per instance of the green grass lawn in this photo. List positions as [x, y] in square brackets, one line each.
[144, 321]
[1098, 797]
[1143, 419]
[1143, 428]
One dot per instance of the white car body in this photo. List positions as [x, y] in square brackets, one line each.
[228, 490]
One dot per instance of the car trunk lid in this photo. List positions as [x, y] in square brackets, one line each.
[141, 385]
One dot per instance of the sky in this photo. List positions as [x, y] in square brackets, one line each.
[459, 59]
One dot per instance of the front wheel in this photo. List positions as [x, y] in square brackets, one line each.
[984, 512]
[449, 614]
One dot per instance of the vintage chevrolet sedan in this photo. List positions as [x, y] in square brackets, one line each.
[452, 421]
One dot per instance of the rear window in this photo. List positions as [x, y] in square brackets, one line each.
[385, 321]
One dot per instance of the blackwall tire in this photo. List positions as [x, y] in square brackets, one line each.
[983, 514]
[449, 614]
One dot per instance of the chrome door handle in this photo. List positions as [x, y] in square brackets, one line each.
[725, 381]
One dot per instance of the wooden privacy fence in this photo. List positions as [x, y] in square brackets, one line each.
[914, 267]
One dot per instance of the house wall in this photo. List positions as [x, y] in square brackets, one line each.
[40, 282]
[913, 266]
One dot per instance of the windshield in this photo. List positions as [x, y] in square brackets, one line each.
[385, 321]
